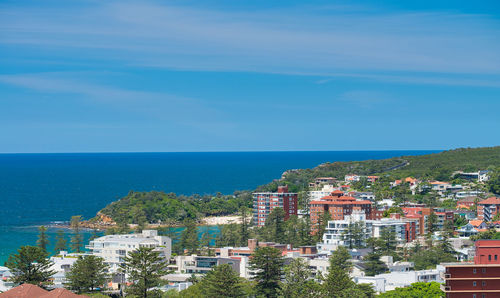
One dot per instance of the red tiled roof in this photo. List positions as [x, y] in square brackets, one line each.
[329, 200]
[490, 201]
[337, 191]
[24, 291]
[61, 293]
[476, 222]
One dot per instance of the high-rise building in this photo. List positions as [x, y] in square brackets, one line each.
[265, 202]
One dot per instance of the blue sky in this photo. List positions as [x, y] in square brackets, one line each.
[101, 76]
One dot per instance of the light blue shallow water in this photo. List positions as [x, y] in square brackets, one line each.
[42, 188]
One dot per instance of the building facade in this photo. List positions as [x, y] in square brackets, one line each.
[480, 279]
[265, 202]
[338, 206]
[487, 209]
[113, 248]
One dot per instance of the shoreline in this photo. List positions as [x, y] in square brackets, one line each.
[103, 226]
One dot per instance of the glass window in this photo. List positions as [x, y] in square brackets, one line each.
[473, 283]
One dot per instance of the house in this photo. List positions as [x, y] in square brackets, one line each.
[467, 202]
[31, 291]
[479, 176]
[352, 178]
[321, 181]
[323, 192]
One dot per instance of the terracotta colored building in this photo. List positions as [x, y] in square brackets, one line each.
[338, 206]
[487, 209]
[478, 280]
[265, 202]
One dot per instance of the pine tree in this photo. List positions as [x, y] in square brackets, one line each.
[87, 274]
[144, 267]
[266, 262]
[77, 238]
[43, 240]
[337, 280]
[244, 233]
[30, 265]
[222, 281]
[373, 264]
[296, 283]
[61, 243]
[275, 226]
[189, 237]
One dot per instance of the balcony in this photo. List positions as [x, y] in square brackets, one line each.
[444, 275]
[445, 288]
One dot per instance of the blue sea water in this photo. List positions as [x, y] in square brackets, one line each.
[38, 189]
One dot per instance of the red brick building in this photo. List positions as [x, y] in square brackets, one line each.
[338, 206]
[265, 202]
[478, 280]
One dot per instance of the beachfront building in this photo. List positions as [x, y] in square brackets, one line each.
[61, 264]
[265, 202]
[487, 209]
[113, 248]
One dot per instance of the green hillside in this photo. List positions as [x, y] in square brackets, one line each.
[140, 207]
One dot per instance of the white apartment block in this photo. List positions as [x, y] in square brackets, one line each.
[113, 248]
[337, 231]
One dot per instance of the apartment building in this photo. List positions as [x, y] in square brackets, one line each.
[265, 202]
[480, 279]
[338, 206]
[487, 209]
[113, 248]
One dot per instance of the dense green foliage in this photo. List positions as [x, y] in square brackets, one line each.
[267, 264]
[87, 274]
[222, 281]
[296, 283]
[438, 166]
[156, 207]
[61, 243]
[494, 182]
[145, 268]
[30, 265]
[416, 290]
[43, 240]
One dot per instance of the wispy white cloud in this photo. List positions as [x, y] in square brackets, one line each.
[299, 41]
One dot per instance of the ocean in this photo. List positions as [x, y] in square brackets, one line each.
[41, 189]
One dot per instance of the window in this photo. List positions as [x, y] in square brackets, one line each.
[496, 257]
[484, 270]
[474, 270]
[489, 257]
[484, 283]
